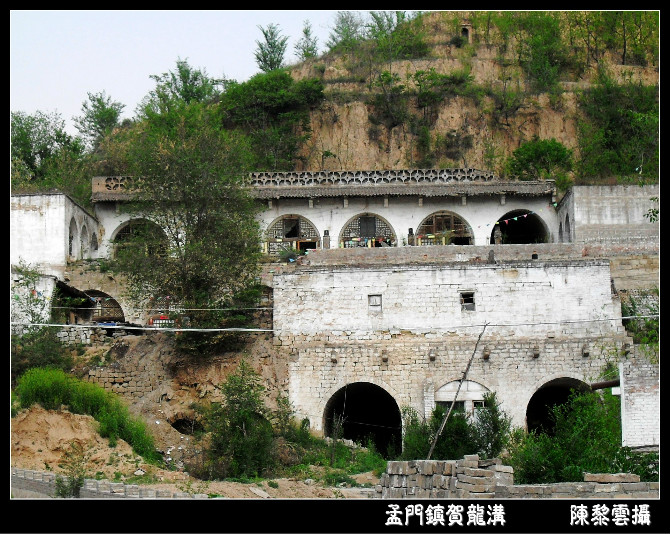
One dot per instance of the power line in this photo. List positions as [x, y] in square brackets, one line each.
[169, 329]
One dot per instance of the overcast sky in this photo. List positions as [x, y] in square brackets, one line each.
[58, 57]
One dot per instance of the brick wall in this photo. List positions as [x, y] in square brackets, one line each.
[641, 406]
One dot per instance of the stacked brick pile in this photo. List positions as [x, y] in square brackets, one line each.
[418, 479]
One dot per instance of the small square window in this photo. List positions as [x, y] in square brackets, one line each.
[374, 303]
[468, 300]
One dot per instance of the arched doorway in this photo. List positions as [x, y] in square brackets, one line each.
[291, 231]
[141, 235]
[73, 238]
[103, 308]
[365, 412]
[553, 393]
[367, 230]
[519, 227]
[443, 228]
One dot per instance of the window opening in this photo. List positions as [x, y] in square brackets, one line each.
[375, 303]
[291, 232]
[468, 300]
[368, 226]
[291, 228]
[459, 407]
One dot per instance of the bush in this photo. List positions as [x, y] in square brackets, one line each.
[38, 348]
[491, 428]
[240, 433]
[486, 434]
[587, 438]
[540, 159]
[74, 465]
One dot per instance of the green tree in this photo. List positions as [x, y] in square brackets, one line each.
[491, 427]
[74, 465]
[178, 88]
[347, 32]
[32, 345]
[542, 54]
[241, 435]
[99, 115]
[306, 47]
[201, 245]
[396, 35]
[619, 135]
[35, 140]
[586, 438]
[273, 110]
[270, 53]
[541, 159]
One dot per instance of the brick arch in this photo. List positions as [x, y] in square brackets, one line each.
[115, 234]
[362, 419]
[85, 243]
[352, 231]
[341, 383]
[444, 224]
[291, 230]
[523, 226]
[559, 382]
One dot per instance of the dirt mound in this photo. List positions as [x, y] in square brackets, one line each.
[40, 438]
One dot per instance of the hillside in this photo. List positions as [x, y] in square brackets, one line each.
[476, 124]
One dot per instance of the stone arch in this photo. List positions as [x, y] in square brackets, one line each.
[470, 397]
[124, 232]
[568, 236]
[104, 308]
[367, 230]
[443, 228]
[521, 227]
[291, 231]
[552, 391]
[560, 232]
[368, 411]
[73, 239]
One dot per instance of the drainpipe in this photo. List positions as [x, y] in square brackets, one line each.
[606, 384]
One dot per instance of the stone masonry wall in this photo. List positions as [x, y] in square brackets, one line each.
[467, 478]
[42, 484]
[523, 299]
[417, 366]
[541, 325]
[132, 380]
[92, 336]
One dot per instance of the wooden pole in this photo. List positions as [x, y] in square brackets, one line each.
[465, 373]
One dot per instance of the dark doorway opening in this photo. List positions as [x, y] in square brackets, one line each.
[541, 404]
[367, 413]
[520, 227]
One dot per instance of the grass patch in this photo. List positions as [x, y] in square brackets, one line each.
[54, 389]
